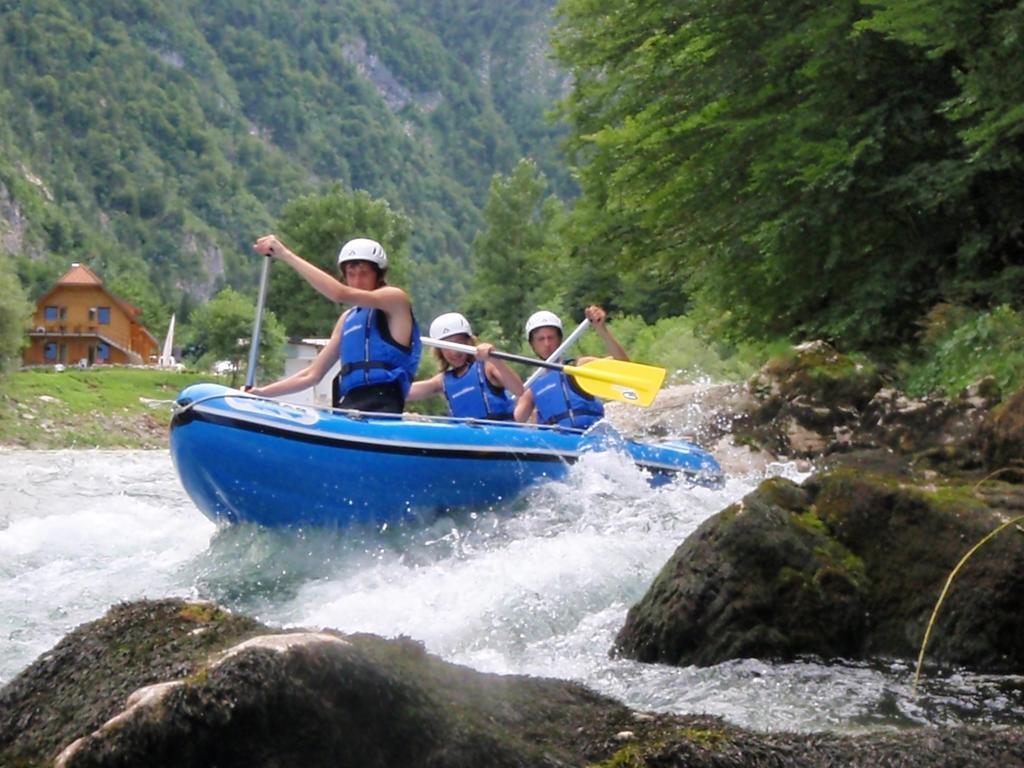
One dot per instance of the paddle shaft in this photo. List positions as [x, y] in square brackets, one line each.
[254, 344]
[557, 354]
[442, 344]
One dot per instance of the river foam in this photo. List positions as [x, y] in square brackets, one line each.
[538, 587]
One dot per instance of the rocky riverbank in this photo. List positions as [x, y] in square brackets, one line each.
[847, 563]
[851, 562]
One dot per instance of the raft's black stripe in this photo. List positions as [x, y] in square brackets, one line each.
[181, 419]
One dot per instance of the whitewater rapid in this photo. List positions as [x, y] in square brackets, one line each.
[539, 587]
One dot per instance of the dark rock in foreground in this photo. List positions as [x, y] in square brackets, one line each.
[86, 678]
[274, 698]
[221, 690]
[848, 565]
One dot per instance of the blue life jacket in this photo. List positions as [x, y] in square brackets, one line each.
[472, 396]
[559, 401]
[369, 355]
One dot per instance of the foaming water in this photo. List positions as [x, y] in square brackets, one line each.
[539, 587]
[80, 530]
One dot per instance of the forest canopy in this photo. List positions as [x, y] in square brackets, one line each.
[827, 169]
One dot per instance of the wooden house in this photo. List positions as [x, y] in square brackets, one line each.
[78, 321]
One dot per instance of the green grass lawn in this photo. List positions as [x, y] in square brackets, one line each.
[103, 407]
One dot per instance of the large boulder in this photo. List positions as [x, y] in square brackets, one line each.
[84, 680]
[220, 690]
[849, 564]
[814, 402]
[807, 402]
[171, 683]
[817, 372]
[930, 431]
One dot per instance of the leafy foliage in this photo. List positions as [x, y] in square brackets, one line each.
[961, 346]
[219, 331]
[679, 345]
[801, 169]
[14, 312]
[517, 253]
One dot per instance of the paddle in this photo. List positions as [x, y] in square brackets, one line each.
[555, 356]
[254, 345]
[603, 377]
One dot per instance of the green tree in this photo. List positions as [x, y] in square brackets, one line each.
[517, 254]
[15, 310]
[221, 330]
[981, 45]
[315, 227]
[799, 169]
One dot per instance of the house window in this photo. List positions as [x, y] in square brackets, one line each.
[92, 314]
[103, 351]
[50, 314]
[103, 315]
[50, 350]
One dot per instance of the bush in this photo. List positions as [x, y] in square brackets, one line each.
[677, 344]
[960, 346]
[15, 311]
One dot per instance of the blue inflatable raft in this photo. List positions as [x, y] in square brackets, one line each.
[247, 459]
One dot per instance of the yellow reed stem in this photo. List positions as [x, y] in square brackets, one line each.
[945, 589]
[991, 475]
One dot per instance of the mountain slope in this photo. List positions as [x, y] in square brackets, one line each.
[154, 141]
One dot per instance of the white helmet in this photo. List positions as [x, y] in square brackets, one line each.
[542, 319]
[449, 324]
[362, 249]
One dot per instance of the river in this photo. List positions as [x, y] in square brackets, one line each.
[539, 588]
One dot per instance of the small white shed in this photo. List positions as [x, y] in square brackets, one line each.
[300, 353]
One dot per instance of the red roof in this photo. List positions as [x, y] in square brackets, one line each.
[79, 274]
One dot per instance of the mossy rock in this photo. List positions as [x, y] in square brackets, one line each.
[326, 699]
[763, 578]
[817, 372]
[85, 679]
[171, 683]
[808, 401]
[849, 564]
[1003, 437]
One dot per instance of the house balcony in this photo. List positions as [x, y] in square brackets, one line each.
[88, 332]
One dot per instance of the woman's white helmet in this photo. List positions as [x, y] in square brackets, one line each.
[542, 319]
[449, 324]
[363, 249]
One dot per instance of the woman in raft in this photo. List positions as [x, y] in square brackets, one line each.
[476, 386]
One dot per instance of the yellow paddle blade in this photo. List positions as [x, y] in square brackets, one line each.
[618, 380]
